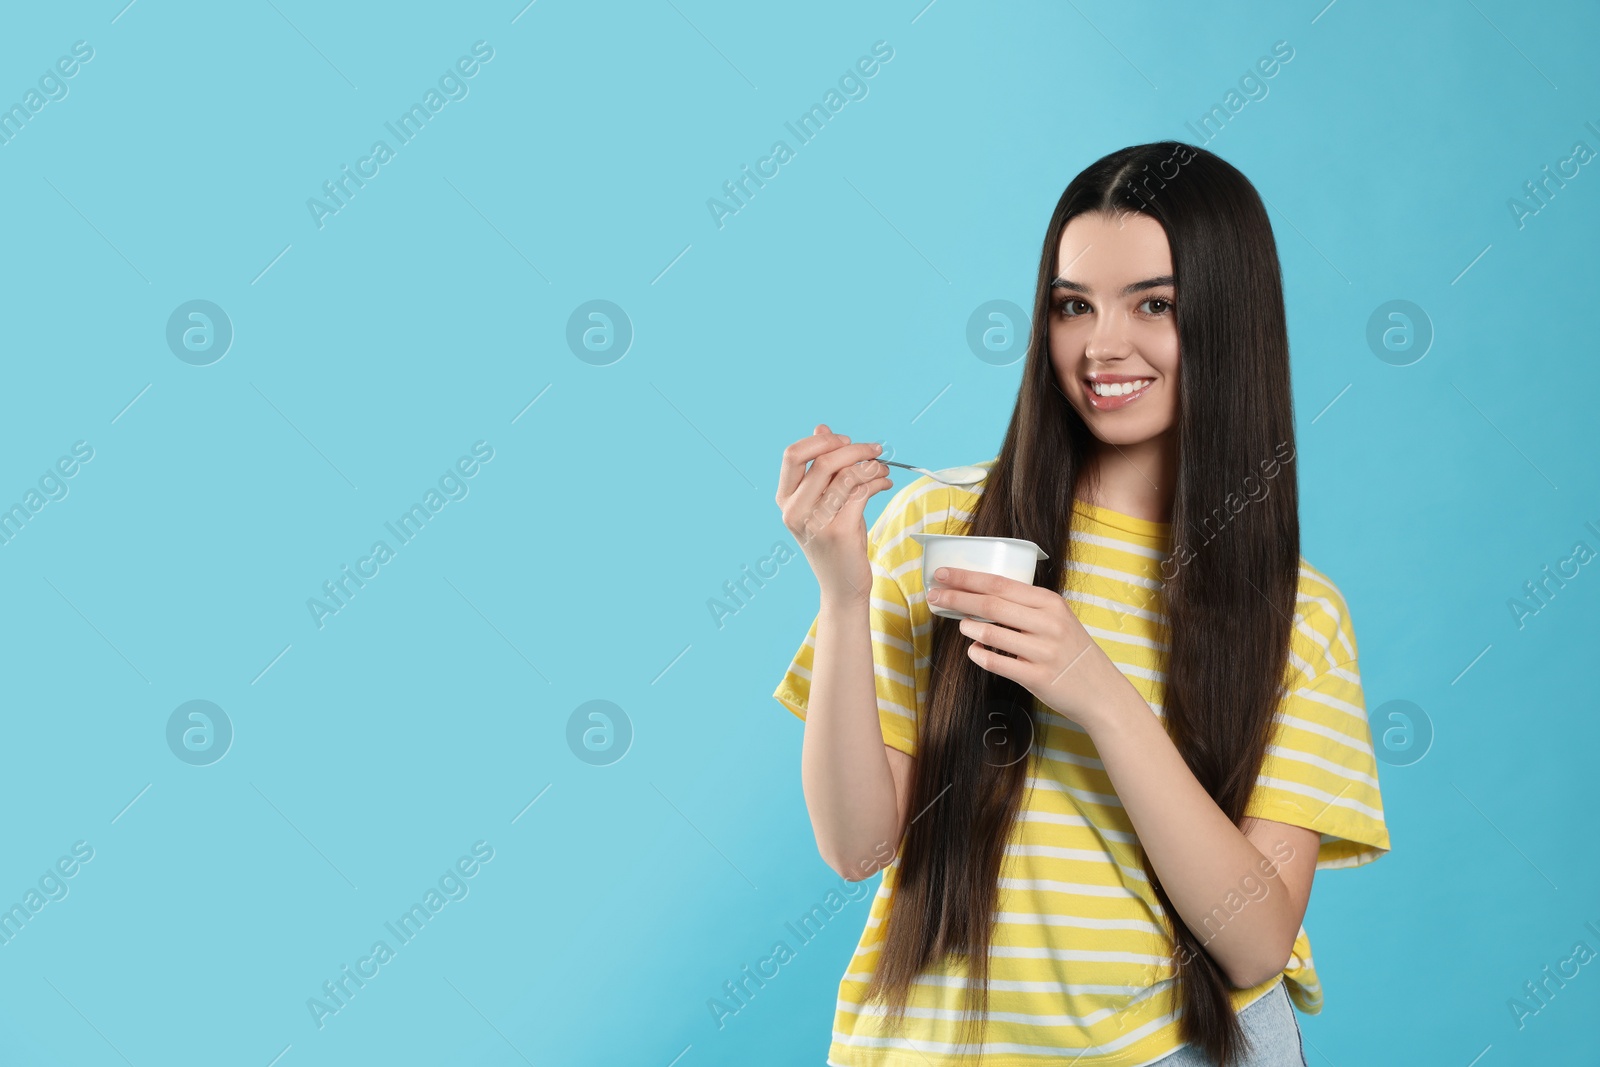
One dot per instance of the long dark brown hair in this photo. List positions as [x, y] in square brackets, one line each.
[1229, 605]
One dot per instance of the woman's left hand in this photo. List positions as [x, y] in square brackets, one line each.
[1055, 658]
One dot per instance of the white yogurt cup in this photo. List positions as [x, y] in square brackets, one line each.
[1009, 557]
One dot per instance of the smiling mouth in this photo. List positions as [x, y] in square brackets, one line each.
[1109, 396]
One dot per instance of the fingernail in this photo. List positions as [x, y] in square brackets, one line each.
[942, 573]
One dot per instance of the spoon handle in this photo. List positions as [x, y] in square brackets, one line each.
[892, 463]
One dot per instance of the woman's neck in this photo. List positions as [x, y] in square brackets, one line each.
[1137, 480]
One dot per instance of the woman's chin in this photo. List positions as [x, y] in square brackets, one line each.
[1123, 436]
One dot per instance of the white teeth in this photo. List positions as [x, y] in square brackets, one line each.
[1123, 389]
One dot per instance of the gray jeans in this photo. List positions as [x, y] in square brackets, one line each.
[1269, 1027]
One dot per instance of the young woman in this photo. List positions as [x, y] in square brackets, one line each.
[1097, 816]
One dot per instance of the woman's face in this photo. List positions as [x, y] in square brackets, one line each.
[1112, 308]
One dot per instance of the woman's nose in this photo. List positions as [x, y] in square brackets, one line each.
[1109, 341]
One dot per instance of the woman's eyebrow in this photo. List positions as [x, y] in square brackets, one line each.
[1135, 287]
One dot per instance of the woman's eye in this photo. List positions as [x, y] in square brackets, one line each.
[1068, 307]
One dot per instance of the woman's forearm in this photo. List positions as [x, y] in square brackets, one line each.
[844, 771]
[1201, 857]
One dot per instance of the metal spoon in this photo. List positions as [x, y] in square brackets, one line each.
[949, 476]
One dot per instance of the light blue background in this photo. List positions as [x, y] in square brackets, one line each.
[432, 310]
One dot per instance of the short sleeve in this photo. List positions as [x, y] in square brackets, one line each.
[1320, 771]
[899, 619]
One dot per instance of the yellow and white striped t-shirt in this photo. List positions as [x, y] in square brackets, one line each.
[1081, 967]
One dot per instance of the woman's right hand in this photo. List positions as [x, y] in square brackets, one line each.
[823, 507]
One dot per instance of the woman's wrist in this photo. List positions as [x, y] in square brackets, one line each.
[1122, 708]
[848, 600]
